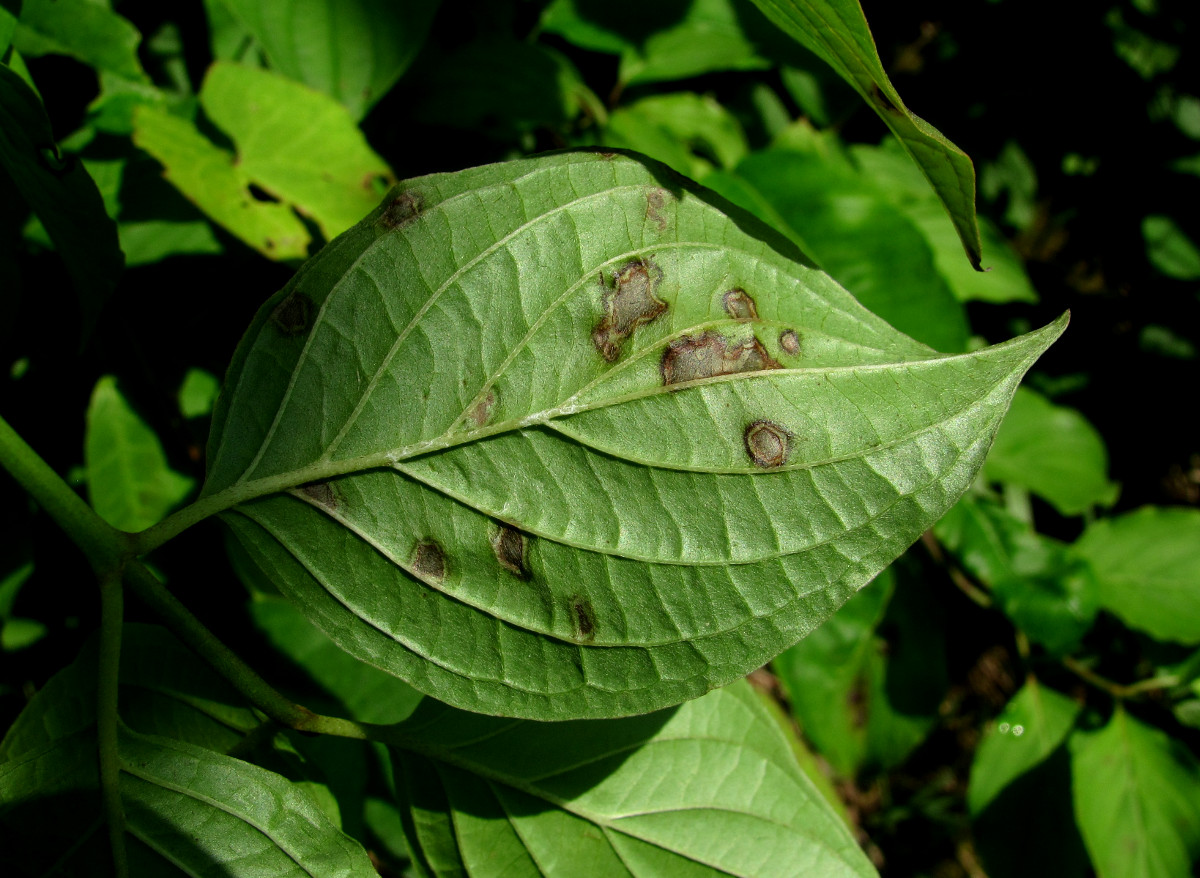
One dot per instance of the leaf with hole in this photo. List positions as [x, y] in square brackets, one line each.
[572, 437]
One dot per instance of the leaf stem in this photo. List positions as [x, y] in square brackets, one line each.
[104, 545]
[112, 612]
[1119, 691]
[960, 579]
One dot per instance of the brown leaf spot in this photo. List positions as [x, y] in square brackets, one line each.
[508, 544]
[404, 208]
[429, 561]
[481, 410]
[293, 316]
[584, 617]
[655, 199]
[630, 303]
[789, 341]
[321, 493]
[767, 444]
[883, 101]
[739, 305]
[710, 353]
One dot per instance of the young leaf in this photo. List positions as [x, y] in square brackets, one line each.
[1053, 451]
[709, 788]
[188, 810]
[1137, 799]
[1147, 564]
[601, 446]
[837, 31]
[1029, 729]
[61, 194]
[352, 51]
[129, 482]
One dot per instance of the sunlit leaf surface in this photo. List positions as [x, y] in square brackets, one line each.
[559, 438]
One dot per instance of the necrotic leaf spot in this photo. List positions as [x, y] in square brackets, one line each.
[429, 561]
[293, 316]
[739, 305]
[709, 354]
[768, 444]
[789, 341]
[631, 302]
[508, 544]
[584, 617]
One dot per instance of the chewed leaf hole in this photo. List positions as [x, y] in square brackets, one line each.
[583, 616]
[509, 546]
[629, 302]
[710, 354]
[768, 444]
[294, 315]
[429, 561]
[739, 305]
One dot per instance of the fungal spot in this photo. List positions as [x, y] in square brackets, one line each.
[767, 444]
[630, 302]
[321, 493]
[882, 100]
[709, 354]
[789, 341]
[584, 617]
[739, 305]
[404, 208]
[429, 561]
[508, 544]
[481, 410]
[655, 199]
[293, 315]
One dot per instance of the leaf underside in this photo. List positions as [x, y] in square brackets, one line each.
[571, 437]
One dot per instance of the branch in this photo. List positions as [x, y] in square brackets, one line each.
[108, 677]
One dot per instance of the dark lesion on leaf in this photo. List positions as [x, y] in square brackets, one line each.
[656, 200]
[322, 494]
[768, 444]
[629, 302]
[709, 354]
[510, 548]
[294, 315]
[883, 101]
[429, 561]
[403, 209]
[739, 305]
[480, 411]
[583, 616]
[789, 342]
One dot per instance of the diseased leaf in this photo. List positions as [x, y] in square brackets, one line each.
[352, 50]
[1147, 564]
[1032, 725]
[130, 484]
[1137, 799]
[709, 788]
[61, 194]
[837, 31]
[88, 31]
[1054, 452]
[558, 438]
[188, 809]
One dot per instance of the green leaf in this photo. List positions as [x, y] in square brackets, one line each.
[188, 810]
[519, 438]
[854, 233]
[305, 150]
[8, 23]
[1031, 727]
[1169, 249]
[1054, 452]
[198, 393]
[61, 194]
[82, 29]
[1147, 564]
[1040, 584]
[711, 787]
[130, 484]
[352, 50]
[686, 131]
[1137, 799]
[837, 31]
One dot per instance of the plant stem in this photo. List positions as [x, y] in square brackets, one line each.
[1119, 691]
[108, 677]
[103, 544]
[960, 579]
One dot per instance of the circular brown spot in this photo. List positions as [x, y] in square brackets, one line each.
[429, 561]
[293, 316]
[789, 341]
[767, 444]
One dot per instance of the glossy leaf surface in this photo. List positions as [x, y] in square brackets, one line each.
[352, 50]
[1147, 564]
[837, 31]
[559, 438]
[710, 788]
[189, 810]
[130, 484]
[1137, 799]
